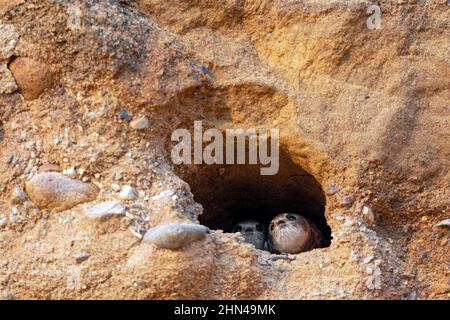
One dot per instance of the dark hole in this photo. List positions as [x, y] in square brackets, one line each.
[233, 193]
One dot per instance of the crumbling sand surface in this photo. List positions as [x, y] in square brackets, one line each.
[365, 112]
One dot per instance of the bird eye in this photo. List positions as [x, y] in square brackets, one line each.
[259, 227]
[291, 217]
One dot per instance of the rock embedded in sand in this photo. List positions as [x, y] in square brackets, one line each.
[331, 190]
[8, 40]
[140, 123]
[444, 224]
[105, 210]
[7, 83]
[18, 196]
[368, 259]
[3, 222]
[124, 115]
[81, 257]
[175, 235]
[32, 76]
[51, 190]
[346, 202]
[6, 295]
[128, 193]
[368, 214]
[70, 172]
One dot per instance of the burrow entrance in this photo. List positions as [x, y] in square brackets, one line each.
[233, 193]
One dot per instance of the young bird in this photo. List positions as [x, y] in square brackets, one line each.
[292, 233]
[253, 231]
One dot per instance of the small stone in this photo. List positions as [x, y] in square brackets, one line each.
[128, 193]
[278, 257]
[331, 190]
[368, 259]
[140, 123]
[354, 256]
[105, 210]
[368, 214]
[444, 224]
[32, 76]
[81, 257]
[51, 190]
[412, 296]
[3, 222]
[70, 172]
[124, 115]
[117, 176]
[8, 41]
[163, 195]
[10, 159]
[15, 213]
[444, 242]
[136, 233]
[7, 83]
[346, 202]
[115, 187]
[4, 279]
[175, 235]
[140, 283]
[204, 70]
[18, 196]
[81, 172]
[6, 295]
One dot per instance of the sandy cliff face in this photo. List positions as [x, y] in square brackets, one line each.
[92, 90]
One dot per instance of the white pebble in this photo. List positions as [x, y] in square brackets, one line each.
[368, 259]
[368, 214]
[70, 172]
[3, 221]
[140, 123]
[81, 257]
[444, 223]
[128, 193]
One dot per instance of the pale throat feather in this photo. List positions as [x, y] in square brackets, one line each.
[286, 233]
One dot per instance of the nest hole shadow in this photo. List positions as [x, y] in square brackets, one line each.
[233, 193]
